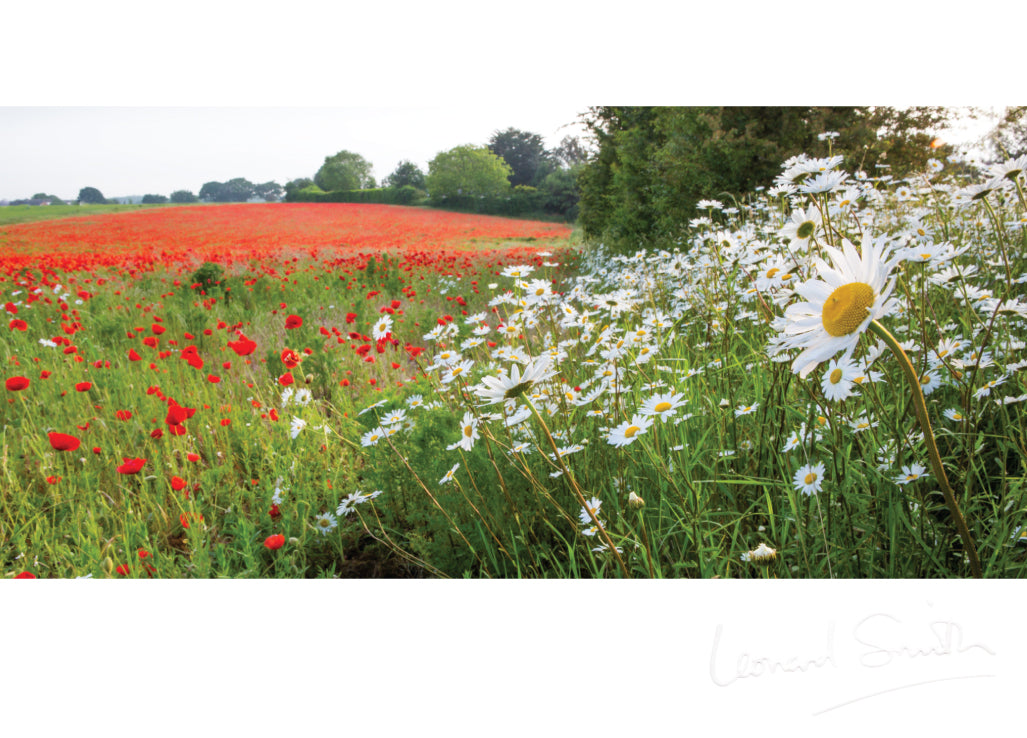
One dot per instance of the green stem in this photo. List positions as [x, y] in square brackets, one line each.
[933, 454]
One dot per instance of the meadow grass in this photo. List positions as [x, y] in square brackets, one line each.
[701, 410]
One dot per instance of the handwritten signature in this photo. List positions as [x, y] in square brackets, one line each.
[884, 639]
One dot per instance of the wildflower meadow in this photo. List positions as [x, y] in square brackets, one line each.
[822, 379]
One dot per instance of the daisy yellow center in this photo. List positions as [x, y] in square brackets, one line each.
[662, 407]
[926, 379]
[468, 430]
[324, 523]
[846, 308]
[630, 432]
[811, 478]
[772, 272]
[836, 376]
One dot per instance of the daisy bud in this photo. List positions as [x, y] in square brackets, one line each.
[635, 502]
[763, 555]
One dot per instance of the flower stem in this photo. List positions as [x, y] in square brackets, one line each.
[933, 454]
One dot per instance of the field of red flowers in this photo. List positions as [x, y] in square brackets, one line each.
[229, 234]
[161, 365]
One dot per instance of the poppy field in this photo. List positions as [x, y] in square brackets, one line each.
[822, 379]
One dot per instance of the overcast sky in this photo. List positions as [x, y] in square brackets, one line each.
[134, 100]
[157, 150]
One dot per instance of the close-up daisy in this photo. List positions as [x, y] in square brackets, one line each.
[808, 479]
[662, 406]
[628, 431]
[849, 294]
[502, 388]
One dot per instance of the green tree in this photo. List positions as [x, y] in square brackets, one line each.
[653, 164]
[570, 152]
[183, 196]
[269, 191]
[54, 200]
[292, 187]
[234, 190]
[91, 196]
[154, 199]
[525, 153]
[344, 171]
[467, 170]
[406, 174]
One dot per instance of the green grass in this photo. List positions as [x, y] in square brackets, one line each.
[15, 214]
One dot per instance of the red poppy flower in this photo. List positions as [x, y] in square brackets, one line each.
[25, 575]
[243, 347]
[11, 308]
[213, 378]
[274, 513]
[19, 325]
[156, 433]
[52, 479]
[193, 457]
[143, 553]
[186, 517]
[293, 321]
[177, 484]
[351, 317]
[124, 414]
[286, 379]
[274, 542]
[133, 355]
[83, 386]
[131, 466]
[290, 358]
[63, 442]
[15, 384]
[45, 374]
[97, 450]
[122, 570]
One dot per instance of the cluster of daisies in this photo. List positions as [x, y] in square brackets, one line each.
[801, 272]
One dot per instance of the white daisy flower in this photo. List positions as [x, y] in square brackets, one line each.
[808, 479]
[840, 305]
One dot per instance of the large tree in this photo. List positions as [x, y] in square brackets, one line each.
[406, 173]
[269, 191]
[234, 190]
[344, 171]
[471, 171]
[653, 164]
[183, 196]
[525, 153]
[91, 196]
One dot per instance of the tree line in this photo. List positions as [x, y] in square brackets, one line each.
[514, 173]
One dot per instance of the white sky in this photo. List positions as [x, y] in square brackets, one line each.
[141, 150]
[130, 100]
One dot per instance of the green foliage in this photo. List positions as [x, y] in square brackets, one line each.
[234, 190]
[525, 153]
[154, 199]
[467, 171]
[387, 196]
[269, 191]
[407, 174]
[654, 163]
[208, 276]
[344, 171]
[183, 196]
[91, 196]
[293, 187]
